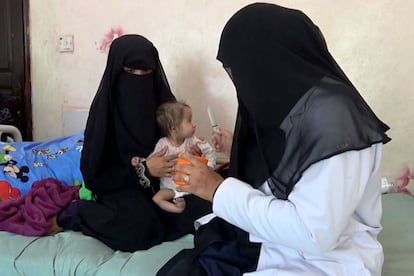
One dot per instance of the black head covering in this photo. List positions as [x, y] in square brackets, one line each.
[275, 56]
[121, 121]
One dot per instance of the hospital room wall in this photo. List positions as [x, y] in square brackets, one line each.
[372, 41]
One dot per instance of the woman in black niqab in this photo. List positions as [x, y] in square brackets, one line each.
[121, 122]
[296, 109]
[121, 126]
[274, 56]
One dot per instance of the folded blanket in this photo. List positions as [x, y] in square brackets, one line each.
[31, 214]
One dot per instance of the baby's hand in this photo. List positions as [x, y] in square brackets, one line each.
[194, 150]
[135, 161]
[179, 203]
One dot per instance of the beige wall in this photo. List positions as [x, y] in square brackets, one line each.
[372, 40]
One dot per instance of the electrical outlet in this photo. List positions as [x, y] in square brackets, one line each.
[66, 43]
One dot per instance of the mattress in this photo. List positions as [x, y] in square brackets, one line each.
[71, 253]
[397, 236]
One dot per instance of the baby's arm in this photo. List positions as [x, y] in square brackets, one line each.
[164, 198]
[159, 146]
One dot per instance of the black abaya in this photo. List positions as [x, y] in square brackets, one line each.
[121, 124]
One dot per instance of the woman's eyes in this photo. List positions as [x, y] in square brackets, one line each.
[138, 72]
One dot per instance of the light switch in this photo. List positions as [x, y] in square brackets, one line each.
[66, 43]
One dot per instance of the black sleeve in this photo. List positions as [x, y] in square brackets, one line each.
[118, 177]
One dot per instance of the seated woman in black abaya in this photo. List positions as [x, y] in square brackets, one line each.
[121, 132]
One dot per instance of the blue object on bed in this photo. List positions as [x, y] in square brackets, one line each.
[23, 163]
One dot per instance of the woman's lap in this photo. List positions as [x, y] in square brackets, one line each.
[129, 220]
[182, 224]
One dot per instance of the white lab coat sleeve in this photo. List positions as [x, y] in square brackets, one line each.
[316, 212]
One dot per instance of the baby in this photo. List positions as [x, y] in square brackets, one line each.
[175, 122]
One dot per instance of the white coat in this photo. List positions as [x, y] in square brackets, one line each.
[329, 224]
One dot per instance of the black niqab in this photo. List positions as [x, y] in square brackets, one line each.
[121, 122]
[275, 56]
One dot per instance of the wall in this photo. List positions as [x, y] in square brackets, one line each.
[372, 40]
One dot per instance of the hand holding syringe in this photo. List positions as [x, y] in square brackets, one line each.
[222, 138]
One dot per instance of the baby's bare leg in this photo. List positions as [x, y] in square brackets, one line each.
[164, 198]
[55, 228]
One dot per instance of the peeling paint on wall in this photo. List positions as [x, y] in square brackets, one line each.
[109, 37]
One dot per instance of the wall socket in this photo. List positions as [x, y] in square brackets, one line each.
[66, 43]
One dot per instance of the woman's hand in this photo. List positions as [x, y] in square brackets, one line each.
[160, 165]
[222, 141]
[201, 180]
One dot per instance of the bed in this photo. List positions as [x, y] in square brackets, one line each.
[72, 253]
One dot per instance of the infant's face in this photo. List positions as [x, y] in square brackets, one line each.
[187, 127]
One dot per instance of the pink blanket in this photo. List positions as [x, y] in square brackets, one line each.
[30, 214]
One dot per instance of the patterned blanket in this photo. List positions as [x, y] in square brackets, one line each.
[24, 163]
